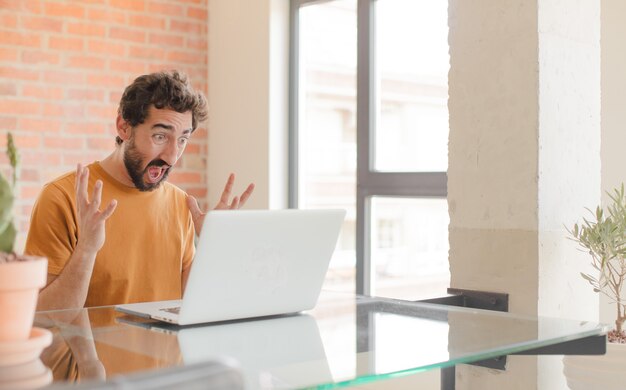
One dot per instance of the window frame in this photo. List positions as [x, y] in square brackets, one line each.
[369, 182]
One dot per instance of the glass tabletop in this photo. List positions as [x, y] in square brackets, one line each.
[346, 340]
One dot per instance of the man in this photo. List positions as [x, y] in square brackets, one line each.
[115, 231]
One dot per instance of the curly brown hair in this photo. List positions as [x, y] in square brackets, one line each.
[162, 90]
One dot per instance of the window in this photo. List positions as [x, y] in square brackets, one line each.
[369, 131]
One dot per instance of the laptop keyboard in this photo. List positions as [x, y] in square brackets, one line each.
[174, 310]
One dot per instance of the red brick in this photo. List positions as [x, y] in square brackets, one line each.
[198, 44]
[43, 125]
[8, 54]
[188, 27]
[197, 192]
[29, 191]
[134, 5]
[88, 62]
[64, 110]
[65, 9]
[11, 5]
[137, 67]
[87, 157]
[105, 80]
[39, 23]
[106, 15]
[86, 29]
[18, 107]
[75, 143]
[38, 91]
[27, 141]
[85, 128]
[8, 20]
[63, 43]
[29, 175]
[39, 57]
[8, 123]
[115, 96]
[18, 73]
[107, 112]
[65, 77]
[8, 89]
[37, 158]
[146, 21]
[167, 39]
[106, 144]
[187, 177]
[127, 34]
[85, 94]
[106, 47]
[187, 57]
[148, 52]
[19, 39]
[165, 8]
[197, 13]
[192, 148]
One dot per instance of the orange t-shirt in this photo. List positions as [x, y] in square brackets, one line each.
[149, 238]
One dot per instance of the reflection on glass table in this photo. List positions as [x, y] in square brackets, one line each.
[346, 340]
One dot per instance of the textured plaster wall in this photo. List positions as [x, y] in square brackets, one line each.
[248, 62]
[524, 159]
[613, 112]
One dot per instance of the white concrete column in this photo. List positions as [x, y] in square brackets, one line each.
[248, 98]
[524, 160]
[613, 111]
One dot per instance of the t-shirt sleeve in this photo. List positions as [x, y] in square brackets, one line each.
[53, 231]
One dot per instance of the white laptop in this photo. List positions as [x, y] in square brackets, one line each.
[252, 263]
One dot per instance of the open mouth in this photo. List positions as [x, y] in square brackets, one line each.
[155, 174]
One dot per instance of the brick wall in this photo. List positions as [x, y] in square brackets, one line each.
[63, 67]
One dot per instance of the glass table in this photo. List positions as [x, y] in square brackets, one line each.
[346, 340]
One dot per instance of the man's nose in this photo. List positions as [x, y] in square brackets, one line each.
[170, 154]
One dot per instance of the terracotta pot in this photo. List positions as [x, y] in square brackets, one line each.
[20, 282]
[590, 372]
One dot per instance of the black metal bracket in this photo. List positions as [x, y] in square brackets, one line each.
[473, 299]
[592, 345]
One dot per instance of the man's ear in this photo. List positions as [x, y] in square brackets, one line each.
[123, 128]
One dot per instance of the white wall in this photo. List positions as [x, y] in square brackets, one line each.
[248, 99]
[613, 110]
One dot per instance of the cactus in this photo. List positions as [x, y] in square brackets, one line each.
[7, 197]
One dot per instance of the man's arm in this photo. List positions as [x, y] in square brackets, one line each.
[70, 288]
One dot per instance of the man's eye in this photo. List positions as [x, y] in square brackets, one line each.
[159, 138]
[183, 141]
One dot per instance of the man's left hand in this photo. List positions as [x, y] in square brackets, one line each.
[225, 203]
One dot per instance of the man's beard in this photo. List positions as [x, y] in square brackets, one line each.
[133, 161]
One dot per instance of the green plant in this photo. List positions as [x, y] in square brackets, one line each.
[604, 237]
[7, 198]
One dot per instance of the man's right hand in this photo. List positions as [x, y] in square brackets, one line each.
[90, 219]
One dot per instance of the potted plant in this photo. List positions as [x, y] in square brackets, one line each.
[21, 276]
[604, 238]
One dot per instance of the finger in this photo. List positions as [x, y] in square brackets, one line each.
[82, 176]
[227, 189]
[246, 194]
[96, 196]
[194, 208]
[235, 204]
[109, 210]
[79, 169]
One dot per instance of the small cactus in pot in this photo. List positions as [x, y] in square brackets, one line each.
[21, 276]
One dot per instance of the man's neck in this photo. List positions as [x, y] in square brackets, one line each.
[114, 166]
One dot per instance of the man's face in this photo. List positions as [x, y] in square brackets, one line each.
[155, 146]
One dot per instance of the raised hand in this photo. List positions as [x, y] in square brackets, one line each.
[225, 202]
[90, 219]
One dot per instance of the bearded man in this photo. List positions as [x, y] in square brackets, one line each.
[140, 245]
